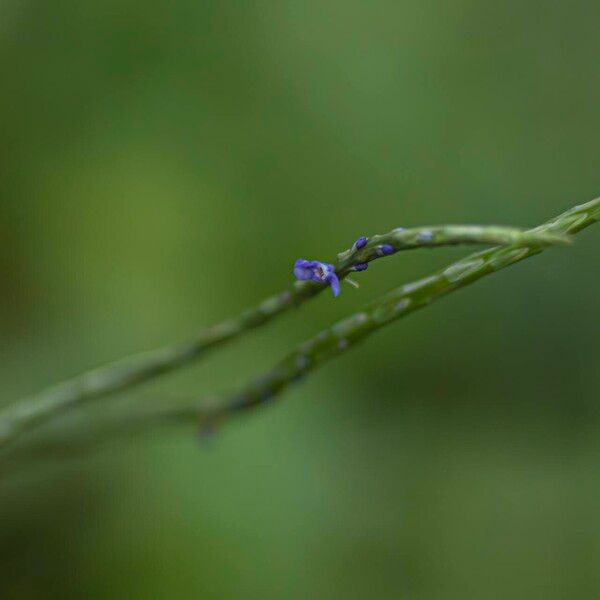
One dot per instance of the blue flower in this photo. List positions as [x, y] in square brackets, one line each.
[314, 270]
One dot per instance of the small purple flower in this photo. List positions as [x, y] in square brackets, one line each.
[314, 270]
[361, 267]
[361, 242]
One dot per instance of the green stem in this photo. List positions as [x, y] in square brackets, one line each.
[398, 303]
[28, 413]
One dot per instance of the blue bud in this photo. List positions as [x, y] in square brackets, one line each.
[361, 242]
[385, 250]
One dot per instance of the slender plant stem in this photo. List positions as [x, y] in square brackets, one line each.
[142, 367]
[398, 303]
[28, 413]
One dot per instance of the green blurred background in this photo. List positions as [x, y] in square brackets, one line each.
[162, 164]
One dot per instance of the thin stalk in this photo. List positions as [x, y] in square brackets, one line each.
[28, 413]
[137, 369]
[397, 304]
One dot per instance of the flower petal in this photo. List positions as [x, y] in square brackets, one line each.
[304, 269]
[302, 273]
[335, 284]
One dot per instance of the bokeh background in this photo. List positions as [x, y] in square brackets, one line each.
[162, 164]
